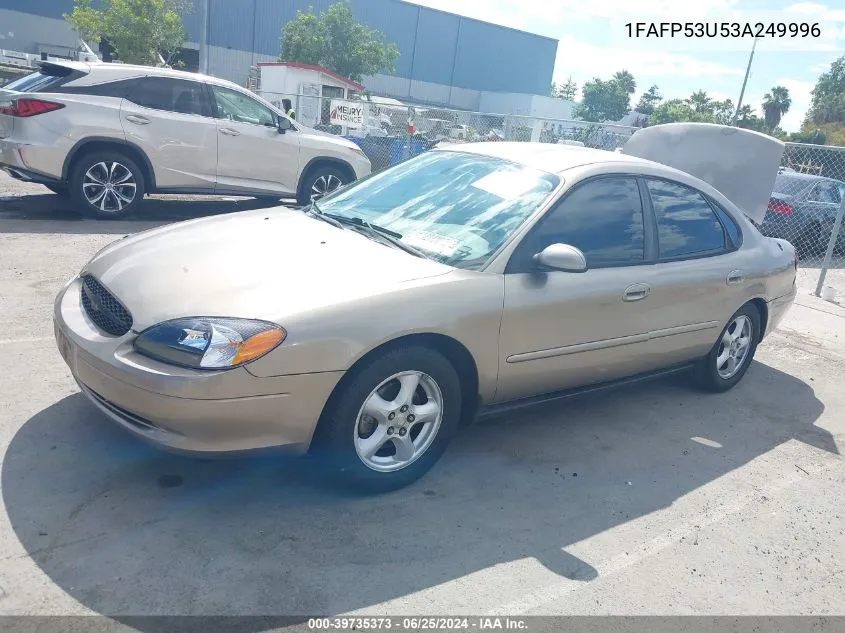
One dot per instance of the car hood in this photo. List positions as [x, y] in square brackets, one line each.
[741, 164]
[263, 264]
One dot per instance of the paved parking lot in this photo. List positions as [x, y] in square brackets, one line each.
[654, 499]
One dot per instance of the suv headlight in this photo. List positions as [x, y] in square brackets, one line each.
[209, 342]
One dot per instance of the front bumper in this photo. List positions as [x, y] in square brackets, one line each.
[183, 409]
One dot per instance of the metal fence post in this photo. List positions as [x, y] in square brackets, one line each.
[831, 245]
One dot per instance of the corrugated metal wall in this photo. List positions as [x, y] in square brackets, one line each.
[436, 47]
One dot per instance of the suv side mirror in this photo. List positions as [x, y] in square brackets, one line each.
[283, 124]
[561, 257]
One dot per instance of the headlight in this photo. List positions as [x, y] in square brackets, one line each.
[209, 342]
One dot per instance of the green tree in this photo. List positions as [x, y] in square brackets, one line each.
[649, 100]
[565, 91]
[137, 30]
[828, 96]
[603, 101]
[334, 40]
[775, 104]
[677, 111]
[626, 81]
[700, 102]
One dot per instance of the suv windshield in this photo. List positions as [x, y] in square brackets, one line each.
[457, 208]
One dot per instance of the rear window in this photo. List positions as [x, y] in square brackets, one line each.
[41, 81]
[791, 185]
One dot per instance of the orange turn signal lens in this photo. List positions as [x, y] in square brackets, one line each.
[258, 345]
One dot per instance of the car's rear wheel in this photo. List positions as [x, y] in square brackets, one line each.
[390, 422]
[732, 354]
[320, 182]
[107, 185]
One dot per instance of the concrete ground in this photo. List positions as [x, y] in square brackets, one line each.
[654, 499]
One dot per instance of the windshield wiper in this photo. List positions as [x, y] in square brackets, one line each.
[392, 237]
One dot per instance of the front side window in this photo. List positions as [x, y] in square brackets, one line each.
[603, 218]
[457, 208]
[236, 106]
[171, 95]
[686, 224]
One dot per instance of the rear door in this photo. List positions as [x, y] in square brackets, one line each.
[253, 155]
[171, 121]
[700, 276]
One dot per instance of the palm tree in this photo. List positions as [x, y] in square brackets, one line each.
[775, 104]
[626, 81]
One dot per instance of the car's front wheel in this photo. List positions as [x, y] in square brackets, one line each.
[391, 421]
[320, 182]
[107, 185]
[732, 354]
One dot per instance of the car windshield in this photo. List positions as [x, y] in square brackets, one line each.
[457, 208]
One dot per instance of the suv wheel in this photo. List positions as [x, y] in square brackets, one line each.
[107, 185]
[321, 181]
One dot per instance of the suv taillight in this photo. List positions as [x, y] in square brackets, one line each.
[26, 107]
[779, 208]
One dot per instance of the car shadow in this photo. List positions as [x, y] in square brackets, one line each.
[128, 530]
[51, 213]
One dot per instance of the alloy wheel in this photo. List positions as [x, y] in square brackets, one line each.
[109, 186]
[734, 347]
[398, 421]
[325, 184]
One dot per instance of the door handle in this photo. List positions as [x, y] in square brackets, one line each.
[229, 131]
[636, 292]
[140, 120]
[735, 277]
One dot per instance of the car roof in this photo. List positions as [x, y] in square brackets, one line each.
[549, 157]
[133, 70]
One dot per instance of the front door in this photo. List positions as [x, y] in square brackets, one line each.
[563, 329]
[252, 154]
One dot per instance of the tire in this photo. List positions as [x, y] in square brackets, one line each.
[339, 449]
[707, 374]
[58, 189]
[102, 165]
[325, 179]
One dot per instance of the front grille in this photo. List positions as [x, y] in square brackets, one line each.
[103, 308]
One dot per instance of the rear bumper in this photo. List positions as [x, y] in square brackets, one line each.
[27, 175]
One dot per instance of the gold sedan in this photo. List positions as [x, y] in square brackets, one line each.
[371, 325]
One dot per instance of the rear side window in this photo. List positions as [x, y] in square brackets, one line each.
[686, 224]
[730, 225]
[171, 95]
[826, 192]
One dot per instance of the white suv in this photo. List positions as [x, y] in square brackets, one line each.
[106, 134]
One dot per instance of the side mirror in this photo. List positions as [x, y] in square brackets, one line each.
[561, 257]
[284, 124]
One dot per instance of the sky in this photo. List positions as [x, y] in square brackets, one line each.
[594, 42]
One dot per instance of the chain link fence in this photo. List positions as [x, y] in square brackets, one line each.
[389, 132]
[806, 206]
